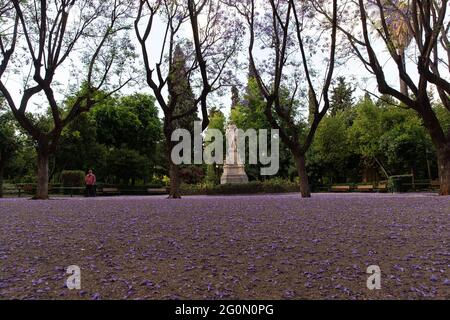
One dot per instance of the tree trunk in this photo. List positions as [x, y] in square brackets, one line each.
[403, 86]
[301, 169]
[174, 192]
[443, 154]
[440, 141]
[174, 186]
[42, 174]
[1, 180]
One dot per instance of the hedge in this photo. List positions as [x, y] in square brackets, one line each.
[253, 187]
[72, 178]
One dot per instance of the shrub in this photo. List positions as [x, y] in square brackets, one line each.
[191, 174]
[72, 178]
[245, 188]
[195, 189]
[400, 183]
[253, 187]
[166, 180]
[278, 185]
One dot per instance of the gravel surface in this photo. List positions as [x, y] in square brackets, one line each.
[230, 247]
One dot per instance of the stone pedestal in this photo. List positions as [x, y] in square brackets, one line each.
[233, 173]
[233, 169]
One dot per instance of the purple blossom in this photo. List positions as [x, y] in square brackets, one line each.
[238, 247]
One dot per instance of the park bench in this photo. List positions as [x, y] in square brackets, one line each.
[109, 191]
[365, 188]
[382, 186]
[12, 191]
[340, 188]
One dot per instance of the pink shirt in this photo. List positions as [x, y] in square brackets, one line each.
[90, 179]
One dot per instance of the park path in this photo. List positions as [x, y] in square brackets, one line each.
[227, 247]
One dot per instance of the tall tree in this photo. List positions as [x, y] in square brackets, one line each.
[341, 97]
[46, 35]
[210, 48]
[397, 25]
[282, 29]
[428, 23]
[179, 86]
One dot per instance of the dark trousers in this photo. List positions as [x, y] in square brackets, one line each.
[90, 190]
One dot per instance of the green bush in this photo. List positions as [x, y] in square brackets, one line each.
[195, 189]
[246, 188]
[278, 185]
[72, 178]
[253, 187]
[400, 183]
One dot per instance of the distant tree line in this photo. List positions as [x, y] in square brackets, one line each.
[294, 49]
[361, 139]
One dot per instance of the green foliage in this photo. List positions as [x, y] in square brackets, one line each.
[72, 178]
[216, 121]
[253, 187]
[125, 165]
[400, 183]
[365, 140]
[8, 140]
[443, 115]
[123, 127]
[212, 175]
[129, 120]
[191, 174]
[366, 129]
[341, 97]
[332, 143]
[180, 91]
[121, 140]
[331, 158]
[80, 138]
[390, 134]
[22, 166]
[249, 114]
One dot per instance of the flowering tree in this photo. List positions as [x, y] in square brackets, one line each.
[282, 31]
[396, 19]
[428, 25]
[209, 40]
[43, 37]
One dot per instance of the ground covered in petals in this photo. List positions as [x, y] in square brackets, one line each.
[235, 247]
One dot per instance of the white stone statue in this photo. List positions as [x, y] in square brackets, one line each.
[232, 144]
[233, 170]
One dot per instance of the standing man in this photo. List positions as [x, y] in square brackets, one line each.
[90, 184]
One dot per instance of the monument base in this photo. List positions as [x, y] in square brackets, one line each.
[234, 173]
